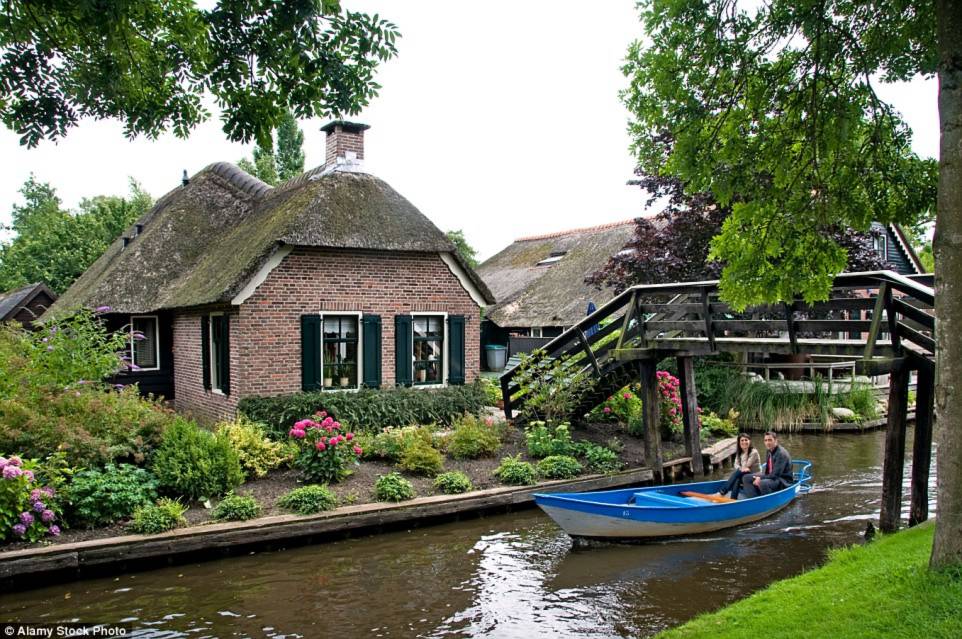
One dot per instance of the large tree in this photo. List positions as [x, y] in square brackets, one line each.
[286, 161]
[149, 63]
[55, 246]
[776, 102]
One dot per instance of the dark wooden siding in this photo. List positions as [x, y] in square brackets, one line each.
[159, 382]
[897, 259]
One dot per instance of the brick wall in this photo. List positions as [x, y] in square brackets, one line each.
[340, 141]
[192, 398]
[265, 334]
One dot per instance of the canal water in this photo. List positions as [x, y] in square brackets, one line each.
[512, 575]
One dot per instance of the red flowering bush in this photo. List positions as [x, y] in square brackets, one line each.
[623, 407]
[671, 416]
[326, 449]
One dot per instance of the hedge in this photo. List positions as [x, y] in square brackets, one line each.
[367, 410]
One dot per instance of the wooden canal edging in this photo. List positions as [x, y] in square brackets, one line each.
[65, 562]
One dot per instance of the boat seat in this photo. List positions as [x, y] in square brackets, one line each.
[662, 499]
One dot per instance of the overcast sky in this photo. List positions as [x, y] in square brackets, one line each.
[498, 118]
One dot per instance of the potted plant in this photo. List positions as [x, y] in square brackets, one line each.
[329, 374]
[345, 372]
[422, 375]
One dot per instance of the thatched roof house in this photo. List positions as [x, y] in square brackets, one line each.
[26, 304]
[329, 281]
[539, 281]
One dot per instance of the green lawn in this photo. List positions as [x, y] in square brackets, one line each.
[882, 589]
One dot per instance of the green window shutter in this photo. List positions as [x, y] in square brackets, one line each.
[456, 349]
[310, 352]
[403, 350]
[224, 355]
[205, 349]
[371, 350]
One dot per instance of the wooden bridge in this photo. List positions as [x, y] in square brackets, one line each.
[883, 320]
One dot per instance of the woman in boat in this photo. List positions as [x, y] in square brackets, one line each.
[747, 462]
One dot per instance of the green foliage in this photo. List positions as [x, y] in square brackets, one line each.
[88, 425]
[309, 500]
[368, 410]
[236, 508]
[390, 444]
[421, 459]
[102, 497]
[53, 245]
[194, 463]
[515, 472]
[881, 589]
[861, 399]
[453, 483]
[393, 487]
[793, 138]
[492, 391]
[599, 459]
[552, 388]
[152, 63]
[290, 148]
[623, 407]
[263, 166]
[544, 441]
[714, 424]
[464, 249]
[927, 257]
[559, 467]
[473, 437]
[773, 404]
[153, 519]
[257, 454]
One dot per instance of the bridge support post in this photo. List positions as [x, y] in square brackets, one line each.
[894, 450]
[651, 418]
[922, 446]
[689, 412]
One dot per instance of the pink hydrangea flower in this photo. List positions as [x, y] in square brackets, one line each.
[349, 436]
[298, 433]
[3, 462]
[627, 395]
[11, 472]
[358, 450]
[47, 516]
[321, 446]
[607, 410]
[336, 425]
[304, 424]
[16, 461]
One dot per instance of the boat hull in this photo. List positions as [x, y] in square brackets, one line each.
[655, 512]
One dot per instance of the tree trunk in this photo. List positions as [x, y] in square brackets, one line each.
[947, 549]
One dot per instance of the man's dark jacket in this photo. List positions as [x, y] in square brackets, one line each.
[781, 467]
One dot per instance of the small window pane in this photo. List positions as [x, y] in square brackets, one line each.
[428, 347]
[340, 351]
[144, 340]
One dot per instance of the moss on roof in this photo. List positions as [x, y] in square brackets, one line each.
[202, 242]
[552, 295]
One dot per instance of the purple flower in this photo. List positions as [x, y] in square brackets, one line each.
[3, 462]
[26, 518]
[101, 309]
[120, 386]
[16, 461]
[48, 491]
[54, 530]
[47, 516]
[11, 472]
[49, 348]
[28, 474]
[39, 506]
[133, 367]
[35, 494]
[19, 530]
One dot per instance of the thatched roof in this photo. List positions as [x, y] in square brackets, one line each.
[12, 301]
[553, 294]
[202, 242]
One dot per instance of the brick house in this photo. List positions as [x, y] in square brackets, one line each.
[26, 304]
[331, 281]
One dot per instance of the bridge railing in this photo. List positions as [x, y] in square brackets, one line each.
[875, 316]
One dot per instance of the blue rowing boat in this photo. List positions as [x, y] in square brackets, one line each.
[662, 511]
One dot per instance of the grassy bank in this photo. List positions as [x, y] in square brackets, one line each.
[882, 589]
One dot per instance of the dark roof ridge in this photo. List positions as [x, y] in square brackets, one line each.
[238, 178]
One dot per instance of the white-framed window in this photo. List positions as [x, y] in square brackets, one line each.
[429, 348]
[341, 350]
[881, 246]
[145, 342]
[535, 331]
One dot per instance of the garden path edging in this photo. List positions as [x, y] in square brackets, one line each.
[76, 560]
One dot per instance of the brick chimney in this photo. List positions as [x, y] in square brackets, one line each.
[345, 142]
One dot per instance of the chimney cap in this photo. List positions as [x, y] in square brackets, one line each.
[349, 127]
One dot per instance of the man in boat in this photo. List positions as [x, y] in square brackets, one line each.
[776, 473]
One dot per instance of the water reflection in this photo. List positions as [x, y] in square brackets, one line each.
[507, 576]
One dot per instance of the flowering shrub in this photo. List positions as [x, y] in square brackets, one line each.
[670, 409]
[543, 441]
[27, 511]
[623, 407]
[473, 437]
[326, 448]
